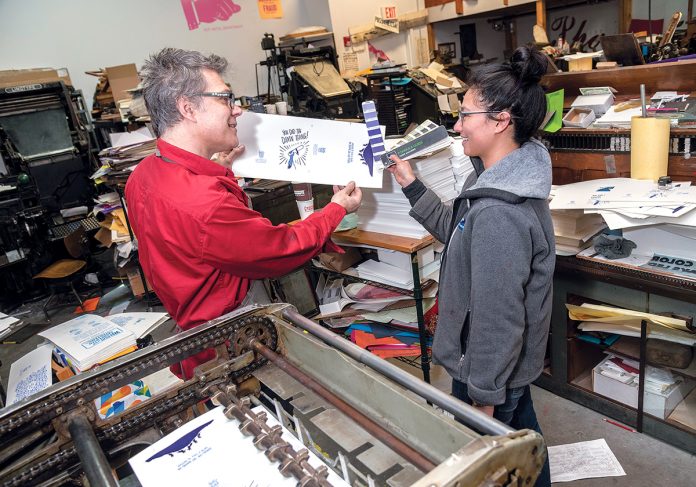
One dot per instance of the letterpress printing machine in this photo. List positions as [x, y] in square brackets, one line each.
[372, 422]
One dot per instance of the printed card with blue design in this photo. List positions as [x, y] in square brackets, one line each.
[306, 150]
[211, 450]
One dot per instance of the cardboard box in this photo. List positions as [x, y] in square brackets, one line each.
[581, 64]
[136, 283]
[657, 405]
[599, 104]
[579, 117]
[122, 78]
[19, 77]
[340, 262]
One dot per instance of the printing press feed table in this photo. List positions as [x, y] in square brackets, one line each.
[326, 390]
[405, 245]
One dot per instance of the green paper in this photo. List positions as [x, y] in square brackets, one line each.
[554, 103]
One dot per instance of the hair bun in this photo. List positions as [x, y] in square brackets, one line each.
[528, 64]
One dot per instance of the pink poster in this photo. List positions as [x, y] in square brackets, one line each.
[208, 11]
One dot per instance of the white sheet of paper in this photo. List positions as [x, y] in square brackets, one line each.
[29, 374]
[119, 139]
[583, 460]
[210, 450]
[617, 192]
[655, 239]
[140, 323]
[307, 150]
[6, 321]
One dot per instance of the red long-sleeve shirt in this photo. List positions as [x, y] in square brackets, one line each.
[200, 245]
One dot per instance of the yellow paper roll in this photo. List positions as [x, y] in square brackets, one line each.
[649, 147]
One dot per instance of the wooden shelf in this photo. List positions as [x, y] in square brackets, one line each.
[382, 240]
[629, 347]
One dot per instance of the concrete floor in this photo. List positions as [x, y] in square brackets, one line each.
[647, 462]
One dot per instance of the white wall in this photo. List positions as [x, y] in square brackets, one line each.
[84, 35]
[660, 9]
[346, 14]
[448, 10]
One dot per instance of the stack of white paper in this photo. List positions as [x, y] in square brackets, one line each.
[89, 340]
[6, 321]
[386, 210]
[386, 273]
[625, 202]
[140, 324]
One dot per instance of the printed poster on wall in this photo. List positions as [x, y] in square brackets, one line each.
[208, 11]
[270, 9]
[306, 150]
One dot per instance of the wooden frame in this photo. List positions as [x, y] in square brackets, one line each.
[448, 47]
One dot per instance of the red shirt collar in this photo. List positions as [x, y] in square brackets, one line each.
[193, 162]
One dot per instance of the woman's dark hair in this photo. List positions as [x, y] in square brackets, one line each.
[514, 87]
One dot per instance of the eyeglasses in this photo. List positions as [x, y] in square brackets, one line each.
[220, 94]
[463, 115]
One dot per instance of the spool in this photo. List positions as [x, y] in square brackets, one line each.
[649, 147]
[304, 198]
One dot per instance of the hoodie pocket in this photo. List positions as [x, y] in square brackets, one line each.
[463, 339]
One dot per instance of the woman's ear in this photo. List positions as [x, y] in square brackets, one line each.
[503, 121]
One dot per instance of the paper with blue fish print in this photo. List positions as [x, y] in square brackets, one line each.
[210, 450]
[306, 150]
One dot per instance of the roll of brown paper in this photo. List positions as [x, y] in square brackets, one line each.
[649, 147]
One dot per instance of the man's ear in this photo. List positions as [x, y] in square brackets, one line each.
[187, 109]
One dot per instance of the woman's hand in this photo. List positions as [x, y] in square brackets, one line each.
[402, 171]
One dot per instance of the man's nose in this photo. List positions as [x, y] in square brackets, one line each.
[237, 111]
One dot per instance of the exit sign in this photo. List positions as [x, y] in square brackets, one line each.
[389, 12]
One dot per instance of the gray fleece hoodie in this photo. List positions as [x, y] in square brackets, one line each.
[497, 272]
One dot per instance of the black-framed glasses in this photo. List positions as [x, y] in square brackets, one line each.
[220, 94]
[463, 115]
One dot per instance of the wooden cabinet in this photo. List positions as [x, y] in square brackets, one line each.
[572, 359]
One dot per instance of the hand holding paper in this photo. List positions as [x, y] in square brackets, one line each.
[348, 197]
[226, 159]
[401, 170]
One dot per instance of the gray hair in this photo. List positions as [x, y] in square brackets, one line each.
[171, 74]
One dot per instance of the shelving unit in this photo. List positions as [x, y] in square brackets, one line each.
[405, 245]
[572, 359]
[393, 101]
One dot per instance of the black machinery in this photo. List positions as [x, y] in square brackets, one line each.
[309, 75]
[46, 144]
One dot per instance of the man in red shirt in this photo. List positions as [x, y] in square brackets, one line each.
[199, 243]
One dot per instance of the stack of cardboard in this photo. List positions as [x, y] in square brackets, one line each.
[112, 88]
[575, 229]
[19, 77]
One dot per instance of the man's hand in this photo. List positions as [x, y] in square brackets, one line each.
[486, 409]
[349, 197]
[402, 171]
[227, 158]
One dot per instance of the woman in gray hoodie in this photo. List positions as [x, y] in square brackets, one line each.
[496, 274]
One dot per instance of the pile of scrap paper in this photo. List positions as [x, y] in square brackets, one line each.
[659, 220]
[627, 322]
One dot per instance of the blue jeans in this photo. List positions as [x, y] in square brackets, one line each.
[517, 412]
